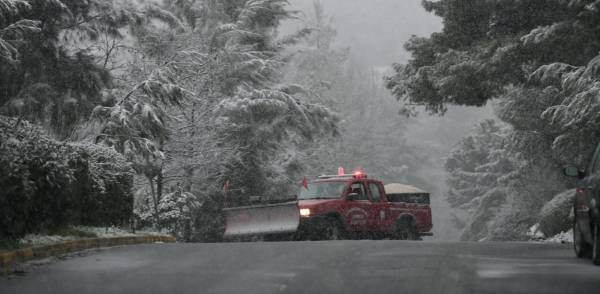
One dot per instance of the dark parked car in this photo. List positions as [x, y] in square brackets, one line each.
[586, 224]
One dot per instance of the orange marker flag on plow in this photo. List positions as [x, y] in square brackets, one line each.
[225, 189]
[226, 186]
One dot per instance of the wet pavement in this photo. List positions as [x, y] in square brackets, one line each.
[316, 267]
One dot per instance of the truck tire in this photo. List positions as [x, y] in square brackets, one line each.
[332, 230]
[596, 243]
[582, 248]
[405, 231]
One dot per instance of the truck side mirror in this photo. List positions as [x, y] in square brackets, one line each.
[574, 172]
[352, 197]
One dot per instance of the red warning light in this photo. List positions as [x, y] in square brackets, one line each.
[359, 174]
[340, 171]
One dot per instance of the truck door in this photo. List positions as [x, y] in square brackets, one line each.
[357, 211]
[379, 208]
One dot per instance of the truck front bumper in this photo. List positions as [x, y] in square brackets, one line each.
[311, 227]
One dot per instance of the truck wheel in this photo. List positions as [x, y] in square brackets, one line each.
[333, 230]
[582, 248]
[405, 231]
[596, 244]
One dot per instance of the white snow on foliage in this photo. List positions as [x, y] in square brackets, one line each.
[40, 240]
[103, 232]
[564, 237]
[536, 235]
[100, 232]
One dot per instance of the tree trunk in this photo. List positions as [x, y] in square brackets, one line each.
[189, 166]
[159, 185]
[155, 201]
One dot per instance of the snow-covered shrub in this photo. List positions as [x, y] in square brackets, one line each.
[209, 222]
[176, 212]
[555, 216]
[511, 223]
[35, 179]
[49, 184]
[484, 215]
[109, 200]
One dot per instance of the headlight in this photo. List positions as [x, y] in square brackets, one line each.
[304, 212]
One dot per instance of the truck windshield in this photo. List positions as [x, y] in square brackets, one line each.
[322, 190]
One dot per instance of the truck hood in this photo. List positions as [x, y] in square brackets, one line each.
[319, 206]
[311, 203]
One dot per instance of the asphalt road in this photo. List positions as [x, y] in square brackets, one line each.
[316, 267]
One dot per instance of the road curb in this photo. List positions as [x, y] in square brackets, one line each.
[11, 258]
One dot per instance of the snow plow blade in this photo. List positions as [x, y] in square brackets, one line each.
[261, 220]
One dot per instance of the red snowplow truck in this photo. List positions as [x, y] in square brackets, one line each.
[337, 207]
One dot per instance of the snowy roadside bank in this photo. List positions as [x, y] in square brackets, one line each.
[535, 235]
[10, 259]
[80, 232]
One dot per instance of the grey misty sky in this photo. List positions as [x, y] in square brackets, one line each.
[375, 30]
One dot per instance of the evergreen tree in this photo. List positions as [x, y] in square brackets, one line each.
[53, 82]
[138, 125]
[532, 56]
[476, 164]
[260, 118]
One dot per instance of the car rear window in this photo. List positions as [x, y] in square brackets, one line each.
[420, 198]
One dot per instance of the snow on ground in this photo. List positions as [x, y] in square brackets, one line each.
[564, 237]
[535, 235]
[40, 240]
[100, 232]
[115, 232]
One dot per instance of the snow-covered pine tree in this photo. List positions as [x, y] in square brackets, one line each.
[476, 169]
[137, 126]
[14, 28]
[228, 62]
[259, 119]
[161, 63]
[177, 210]
[476, 164]
[47, 79]
[530, 55]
